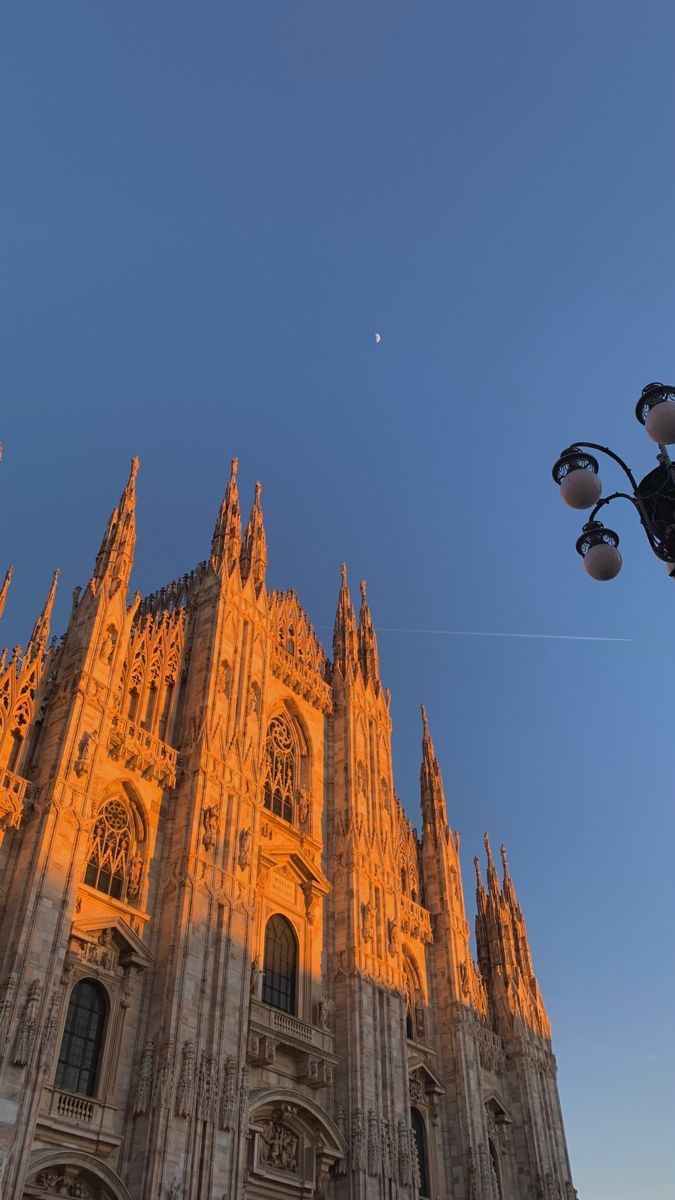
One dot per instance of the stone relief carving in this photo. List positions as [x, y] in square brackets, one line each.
[279, 1147]
[144, 1084]
[186, 1080]
[392, 935]
[228, 1099]
[6, 1008]
[27, 1025]
[358, 1142]
[49, 1031]
[414, 1159]
[374, 1148]
[367, 921]
[341, 1165]
[243, 1097]
[404, 1171]
[387, 1150]
[208, 1087]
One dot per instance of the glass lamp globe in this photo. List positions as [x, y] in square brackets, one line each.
[580, 488]
[602, 561]
[660, 423]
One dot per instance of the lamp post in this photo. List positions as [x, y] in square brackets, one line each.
[576, 473]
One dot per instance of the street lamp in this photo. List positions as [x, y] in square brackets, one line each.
[576, 473]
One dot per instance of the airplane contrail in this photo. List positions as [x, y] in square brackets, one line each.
[556, 637]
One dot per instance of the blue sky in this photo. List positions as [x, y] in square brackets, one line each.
[206, 213]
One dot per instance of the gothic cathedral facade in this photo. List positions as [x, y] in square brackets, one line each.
[229, 968]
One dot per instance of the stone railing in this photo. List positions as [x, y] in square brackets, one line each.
[12, 793]
[291, 1027]
[77, 1109]
[143, 752]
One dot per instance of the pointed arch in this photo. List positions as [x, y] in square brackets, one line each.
[280, 964]
[117, 857]
[287, 764]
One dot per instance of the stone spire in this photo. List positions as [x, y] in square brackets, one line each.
[254, 550]
[226, 541]
[368, 657]
[345, 640]
[493, 881]
[504, 952]
[116, 556]
[40, 635]
[5, 588]
[431, 782]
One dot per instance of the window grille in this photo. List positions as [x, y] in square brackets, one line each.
[279, 965]
[77, 1069]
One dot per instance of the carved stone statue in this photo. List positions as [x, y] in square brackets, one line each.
[392, 935]
[324, 1013]
[135, 868]
[255, 975]
[84, 751]
[245, 839]
[367, 921]
[210, 819]
[303, 806]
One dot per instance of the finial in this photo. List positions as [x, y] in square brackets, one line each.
[364, 597]
[234, 467]
[476, 867]
[135, 464]
[5, 588]
[343, 574]
[488, 851]
[425, 722]
[502, 851]
[258, 491]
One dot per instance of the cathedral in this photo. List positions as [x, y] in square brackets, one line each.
[230, 968]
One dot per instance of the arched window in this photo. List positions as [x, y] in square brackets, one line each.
[421, 1143]
[280, 769]
[409, 1008]
[279, 967]
[115, 863]
[414, 1010]
[77, 1069]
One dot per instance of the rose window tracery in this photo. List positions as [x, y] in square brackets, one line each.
[280, 774]
[114, 865]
